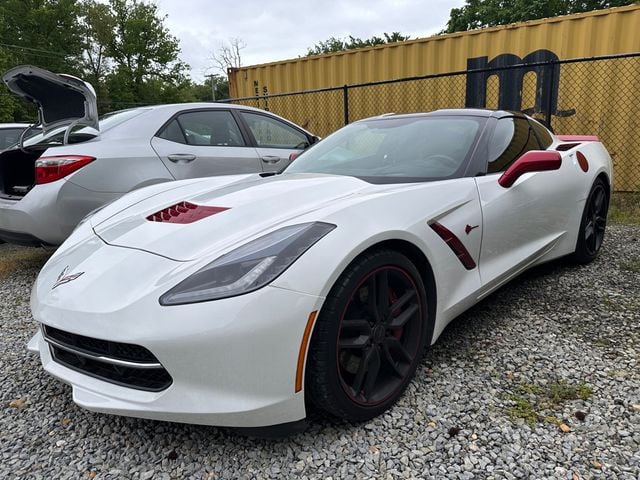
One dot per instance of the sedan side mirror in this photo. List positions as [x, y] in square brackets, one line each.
[531, 161]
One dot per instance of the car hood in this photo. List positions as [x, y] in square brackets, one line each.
[239, 208]
[61, 99]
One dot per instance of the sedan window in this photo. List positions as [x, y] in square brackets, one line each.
[207, 127]
[272, 133]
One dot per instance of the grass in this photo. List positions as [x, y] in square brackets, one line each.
[632, 265]
[625, 208]
[13, 259]
[531, 402]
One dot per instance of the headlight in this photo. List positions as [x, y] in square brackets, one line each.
[249, 267]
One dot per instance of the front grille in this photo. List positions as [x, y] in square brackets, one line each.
[123, 364]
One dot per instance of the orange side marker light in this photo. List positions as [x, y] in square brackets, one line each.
[303, 349]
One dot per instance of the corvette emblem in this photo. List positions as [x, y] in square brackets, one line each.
[64, 278]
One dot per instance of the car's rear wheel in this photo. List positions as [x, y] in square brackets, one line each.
[593, 223]
[369, 338]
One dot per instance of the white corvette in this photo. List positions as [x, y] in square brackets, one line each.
[238, 300]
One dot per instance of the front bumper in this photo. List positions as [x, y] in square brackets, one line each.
[233, 361]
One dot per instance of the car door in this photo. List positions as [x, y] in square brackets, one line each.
[202, 143]
[275, 140]
[525, 221]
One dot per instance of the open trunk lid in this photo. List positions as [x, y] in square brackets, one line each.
[62, 100]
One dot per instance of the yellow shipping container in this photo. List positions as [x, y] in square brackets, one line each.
[599, 97]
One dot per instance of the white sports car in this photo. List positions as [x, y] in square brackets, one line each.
[239, 300]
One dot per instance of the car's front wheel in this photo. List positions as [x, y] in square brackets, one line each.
[369, 338]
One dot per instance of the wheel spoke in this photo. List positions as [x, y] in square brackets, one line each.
[588, 231]
[356, 324]
[600, 223]
[360, 341]
[362, 369]
[373, 369]
[391, 361]
[394, 345]
[598, 201]
[398, 304]
[404, 317]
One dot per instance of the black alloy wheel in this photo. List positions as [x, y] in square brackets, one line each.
[369, 338]
[593, 224]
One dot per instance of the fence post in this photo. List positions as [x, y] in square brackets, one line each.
[549, 106]
[345, 100]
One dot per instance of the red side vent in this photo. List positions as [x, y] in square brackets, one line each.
[563, 147]
[184, 212]
[455, 245]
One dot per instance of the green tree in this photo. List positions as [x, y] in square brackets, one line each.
[44, 33]
[144, 53]
[488, 13]
[334, 44]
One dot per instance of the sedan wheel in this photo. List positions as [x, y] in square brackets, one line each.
[369, 338]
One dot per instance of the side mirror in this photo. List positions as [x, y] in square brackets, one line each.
[532, 161]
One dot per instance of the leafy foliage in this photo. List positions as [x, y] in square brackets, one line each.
[122, 47]
[334, 44]
[488, 13]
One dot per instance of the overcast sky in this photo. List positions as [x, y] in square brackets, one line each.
[280, 29]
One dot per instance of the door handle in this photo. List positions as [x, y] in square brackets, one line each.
[271, 159]
[181, 157]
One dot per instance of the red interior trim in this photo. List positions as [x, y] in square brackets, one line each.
[455, 245]
[184, 212]
[578, 138]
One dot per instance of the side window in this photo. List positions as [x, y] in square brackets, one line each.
[511, 139]
[544, 137]
[173, 132]
[270, 132]
[210, 128]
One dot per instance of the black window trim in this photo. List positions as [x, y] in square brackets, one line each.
[248, 141]
[529, 120]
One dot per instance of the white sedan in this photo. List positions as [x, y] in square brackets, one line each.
[238, 300]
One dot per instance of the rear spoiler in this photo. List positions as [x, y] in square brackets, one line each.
[578, 138]
[572, 141]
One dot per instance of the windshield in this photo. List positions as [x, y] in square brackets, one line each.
[81, 134]
[406, 149]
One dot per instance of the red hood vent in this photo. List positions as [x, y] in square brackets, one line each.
[184, 212]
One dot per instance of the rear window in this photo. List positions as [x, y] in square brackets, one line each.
[80, 133]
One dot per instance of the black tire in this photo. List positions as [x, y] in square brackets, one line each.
[362, 354]
[593, 224]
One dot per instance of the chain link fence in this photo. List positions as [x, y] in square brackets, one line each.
[597, 96]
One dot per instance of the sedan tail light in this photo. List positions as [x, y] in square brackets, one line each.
[50, 169]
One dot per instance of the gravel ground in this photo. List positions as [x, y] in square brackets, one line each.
[540, 380]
